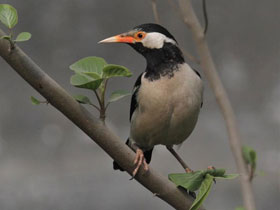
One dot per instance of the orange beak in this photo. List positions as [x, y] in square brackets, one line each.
[121, 38]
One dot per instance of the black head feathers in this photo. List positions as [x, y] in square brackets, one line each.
[152, 27]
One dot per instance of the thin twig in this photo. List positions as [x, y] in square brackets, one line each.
[251, 173]
[155, 11]
[98, 97]
[185, 52]
[95, 106]
[92, 126]
[211, 74]
[205, 16]
[190, 56]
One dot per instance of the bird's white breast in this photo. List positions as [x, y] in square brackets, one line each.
[167, 109]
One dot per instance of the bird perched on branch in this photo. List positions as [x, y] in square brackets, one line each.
[167, 96]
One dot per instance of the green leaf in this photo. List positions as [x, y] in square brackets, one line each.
[227, 176]
[203, 192]
[23, 36]
[34, 100]
[190, 181]
[5, 37]
[8, 15]
[117, 95]
[215, 172]
[89, 64]
[84, 81]
[250, 156]
[112, 70]
[93, 75]
[82, 99]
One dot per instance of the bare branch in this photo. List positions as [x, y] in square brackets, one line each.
[190, 56]
[155, 11]
[205, 16]
[156, 16]
[211, 74]
[93, 127]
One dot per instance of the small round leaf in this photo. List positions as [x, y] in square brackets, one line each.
[89, 64]
[93, 75]
[5, 37]
[203, 192]
[84, 81]
[250, 156]
[227, 176]
[82, 99]
[8, 15]
[34, 100]
[119, 94]
[111, 70]
[216, 172]
[23, 36]
[189, 181]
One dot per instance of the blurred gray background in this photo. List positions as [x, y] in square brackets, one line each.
[48, 163]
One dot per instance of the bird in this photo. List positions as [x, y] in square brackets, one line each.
[167, 96]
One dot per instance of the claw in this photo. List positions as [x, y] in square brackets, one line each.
[188, 170]
[211, 168]
[138, 161]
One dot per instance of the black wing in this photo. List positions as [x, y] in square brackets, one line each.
[134, 103]
[133, 106]
[198, 74]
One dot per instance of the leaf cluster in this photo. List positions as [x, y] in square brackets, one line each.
[93, 73]
[199, 180]
[9, 17]
[250, 158]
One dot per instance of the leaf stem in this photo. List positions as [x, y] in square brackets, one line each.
[251, 173]
[97, 96]
[107, 106]
[12, 43]
[100, 94]
[95, 106]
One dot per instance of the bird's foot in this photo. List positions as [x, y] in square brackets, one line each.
[211, 168]
[139, 160]
[188, 170]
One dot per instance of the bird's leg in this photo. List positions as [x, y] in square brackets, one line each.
[185, 166]
[175, 154]
[138, 161]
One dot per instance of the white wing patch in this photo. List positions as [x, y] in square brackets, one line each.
[155, 40]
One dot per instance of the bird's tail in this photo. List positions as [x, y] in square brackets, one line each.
[147, 155]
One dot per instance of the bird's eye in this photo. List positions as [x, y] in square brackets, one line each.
[140, 35]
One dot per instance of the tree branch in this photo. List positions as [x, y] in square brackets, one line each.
[211, 74]
[94, 128]
[205, 16]
[156, 16]
[155, 11]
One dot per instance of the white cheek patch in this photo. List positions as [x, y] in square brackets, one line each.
[155, 40]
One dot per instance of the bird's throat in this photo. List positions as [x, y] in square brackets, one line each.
[163, 62]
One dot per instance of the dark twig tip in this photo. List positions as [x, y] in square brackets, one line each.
[205, 16]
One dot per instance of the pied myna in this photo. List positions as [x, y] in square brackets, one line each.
[167, 96]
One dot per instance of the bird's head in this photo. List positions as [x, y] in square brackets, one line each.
[151, 40]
